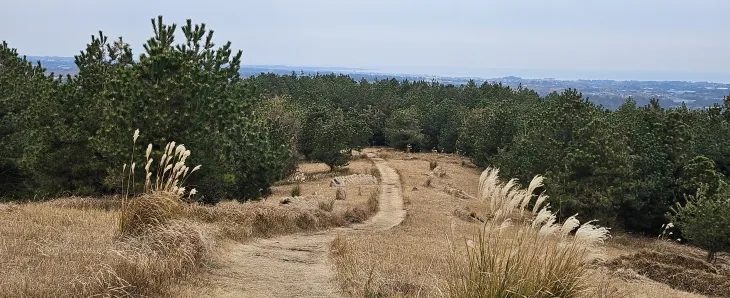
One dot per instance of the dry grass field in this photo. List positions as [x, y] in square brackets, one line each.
[413, 259]
[73, 247]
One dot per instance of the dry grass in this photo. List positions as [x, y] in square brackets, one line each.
[326, 205]
[536, 257]
[341, 194]
[139, 246]
[296, 191]
[412, 259]
[320, 189]
[88, 203]
[149, 210]
[51, 251]
[361, 213]
[48, 251]
[433, 164]
[678, 271]
[72, 247]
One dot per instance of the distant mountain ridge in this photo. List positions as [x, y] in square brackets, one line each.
[609, 93]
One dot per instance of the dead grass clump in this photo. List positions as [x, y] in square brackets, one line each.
[8, 207]
[49, 251]
[359, 214]
[326, 205]
[164, 255]
[438, 171]
[341, 194]
[520, 260]
[162, 197]
[432, 165]
[680, 272]
[85, 203]
[296, 190]
[149, 210]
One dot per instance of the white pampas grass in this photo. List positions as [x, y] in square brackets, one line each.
[148, 152]
[171, 169]
[523, 250]
[568, 226]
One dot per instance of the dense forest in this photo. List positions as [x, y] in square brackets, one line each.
[627, 167]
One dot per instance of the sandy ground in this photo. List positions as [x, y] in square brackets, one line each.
[294, 265]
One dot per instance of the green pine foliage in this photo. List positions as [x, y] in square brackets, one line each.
[705, 220]
[191, 90]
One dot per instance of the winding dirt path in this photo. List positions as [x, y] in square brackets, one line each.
[297, 265]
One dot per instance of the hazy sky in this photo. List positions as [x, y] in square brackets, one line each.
[583, 35]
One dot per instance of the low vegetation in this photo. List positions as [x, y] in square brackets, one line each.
[502, 258]
[138, 244]
[430, 252]
[705, 220]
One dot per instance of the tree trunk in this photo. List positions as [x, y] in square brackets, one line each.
[711, 256]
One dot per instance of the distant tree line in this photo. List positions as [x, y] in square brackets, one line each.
[627, 167]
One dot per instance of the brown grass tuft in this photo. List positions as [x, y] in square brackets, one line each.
[359, 214]
[326, 205]
[341, 193]
[681, 272]
[374, 172]
[161, 257]
[149, 210]
[296, 190]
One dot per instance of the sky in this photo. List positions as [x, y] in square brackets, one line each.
[555, 38]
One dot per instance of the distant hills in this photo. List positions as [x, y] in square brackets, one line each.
[609, 93]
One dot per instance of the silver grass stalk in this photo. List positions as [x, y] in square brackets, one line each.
[591, 235]
[148, 152]
[172, 147]
[541, 217]
[147, 166]
[569, 224]
[540, 199]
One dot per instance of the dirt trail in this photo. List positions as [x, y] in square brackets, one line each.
[296, 265]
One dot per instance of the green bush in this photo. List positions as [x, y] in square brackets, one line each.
[705, 221]
[403, 128]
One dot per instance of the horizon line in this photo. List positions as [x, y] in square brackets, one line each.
[442, 74]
